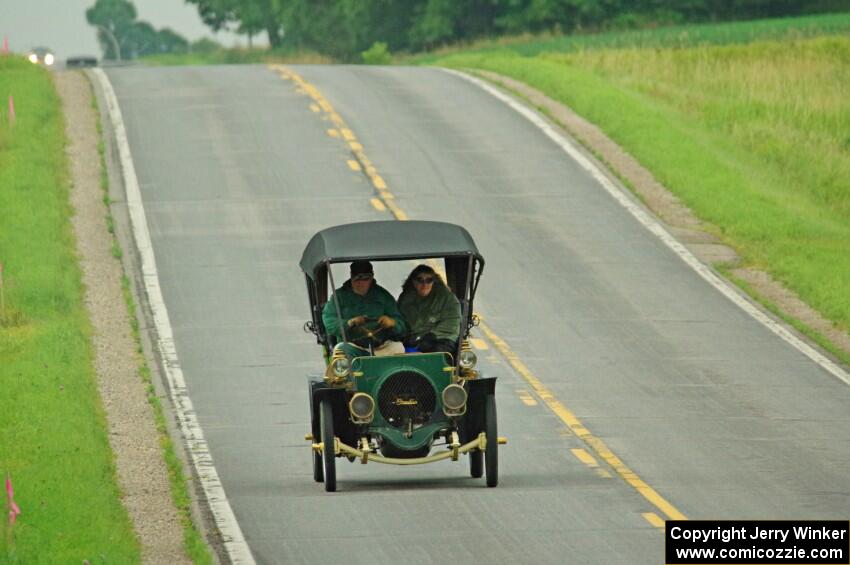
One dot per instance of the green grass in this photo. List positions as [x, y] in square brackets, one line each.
[755, 138]
[53, 439]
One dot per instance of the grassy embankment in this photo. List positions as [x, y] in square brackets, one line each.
[754, 135]
[53, 438]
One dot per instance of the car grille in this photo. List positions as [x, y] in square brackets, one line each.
[406, 399]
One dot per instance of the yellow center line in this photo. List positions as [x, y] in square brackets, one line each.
[381, 190]
[567, 417]
[575, 425]
[585, 457]
[526, 397]
[396, 211]
[654, 519]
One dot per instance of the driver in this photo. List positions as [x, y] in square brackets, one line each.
[365, 304]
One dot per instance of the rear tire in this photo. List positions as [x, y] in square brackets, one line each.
[326, 416]
[491, 454]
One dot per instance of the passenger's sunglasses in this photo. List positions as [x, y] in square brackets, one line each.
[424, 280]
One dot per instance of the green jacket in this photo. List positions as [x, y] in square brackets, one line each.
[437, 313]
[377, 302]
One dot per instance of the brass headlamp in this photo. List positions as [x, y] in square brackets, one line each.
[338, 369]
[467, 359]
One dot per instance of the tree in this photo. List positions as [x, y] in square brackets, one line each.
[114, 20]
[321, 25]
[215, 13]
[435, 23]
[117, 28]
[169, 41]
[345, 28]
[141, 39]
[249, 16]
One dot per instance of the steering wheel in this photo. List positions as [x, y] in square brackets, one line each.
[367, 333]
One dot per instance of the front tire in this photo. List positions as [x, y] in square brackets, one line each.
[326, 416]
[318, 472]
[476, 464]
[491, 454]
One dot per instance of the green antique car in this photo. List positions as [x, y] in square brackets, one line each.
[402, 409]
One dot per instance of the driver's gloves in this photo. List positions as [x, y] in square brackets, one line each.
[356, 321]
[386, 321]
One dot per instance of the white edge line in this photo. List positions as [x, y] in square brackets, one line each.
[658, 230]
[231, 534]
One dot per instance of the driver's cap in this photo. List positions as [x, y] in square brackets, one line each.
[361, 268]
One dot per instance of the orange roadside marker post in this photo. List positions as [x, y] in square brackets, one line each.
[14, 510]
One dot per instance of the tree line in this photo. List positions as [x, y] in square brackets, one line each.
[122, 36]
[345, 28]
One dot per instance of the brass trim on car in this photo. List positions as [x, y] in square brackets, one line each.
[405, 402]
[364, 418]
[457, 410]
[467, 372]
[333, 379]
[340, 448]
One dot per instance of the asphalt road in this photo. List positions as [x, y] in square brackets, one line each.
[710, 409]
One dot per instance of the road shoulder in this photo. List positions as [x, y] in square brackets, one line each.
[135, 441]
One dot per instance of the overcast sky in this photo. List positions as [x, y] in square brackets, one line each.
[61, 24]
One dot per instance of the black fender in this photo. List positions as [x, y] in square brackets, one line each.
[344, 428]
[472, 422]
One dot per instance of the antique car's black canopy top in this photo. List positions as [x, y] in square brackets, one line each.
[386, 241]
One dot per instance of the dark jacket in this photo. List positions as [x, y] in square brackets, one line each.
[376, 303]
[437, 313]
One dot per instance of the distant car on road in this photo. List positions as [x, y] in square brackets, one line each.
[80, 61]
[41, 56]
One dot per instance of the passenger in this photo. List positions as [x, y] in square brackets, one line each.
[363, 302]
[431, 310]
